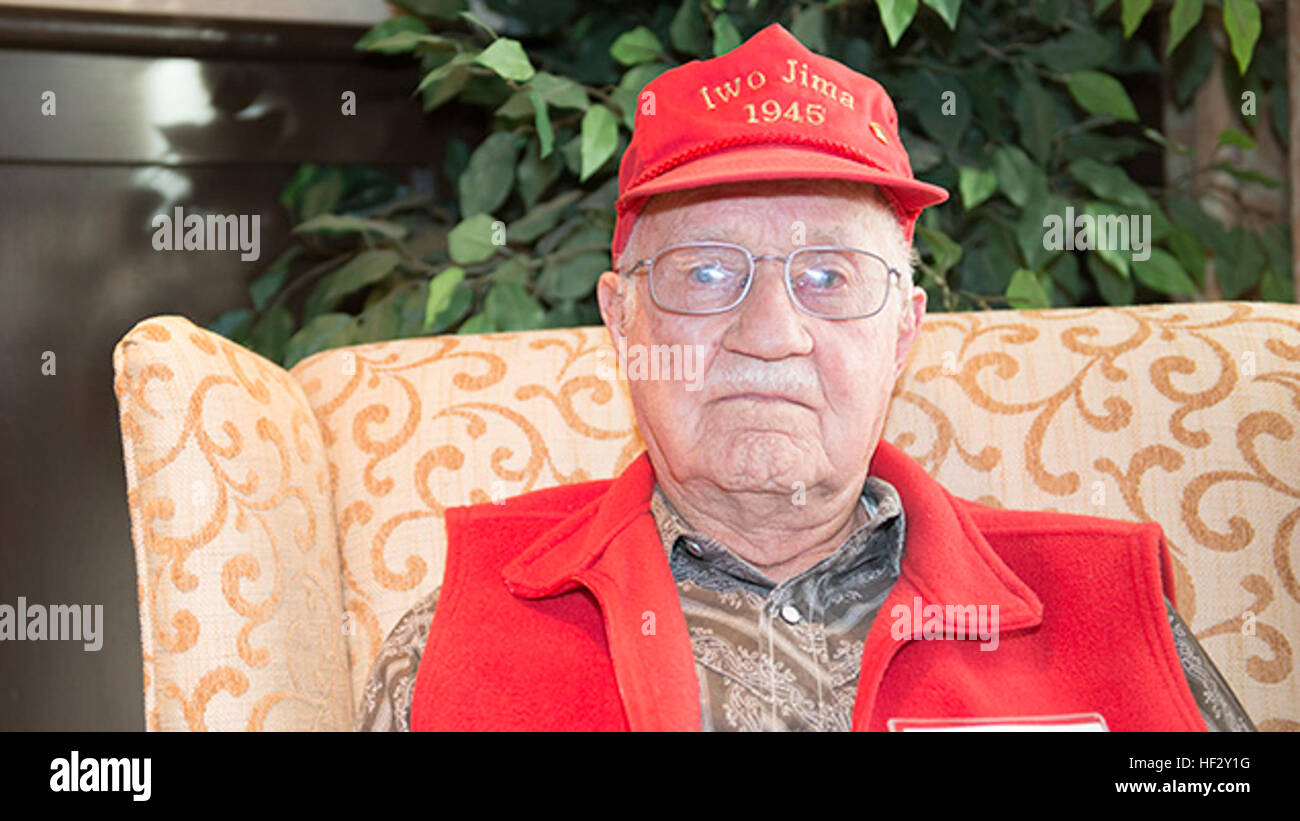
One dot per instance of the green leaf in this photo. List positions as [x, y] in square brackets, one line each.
[441, 287]
[446, 88]
[1231, 136]
[687, 29]
[507, 58]
[477, 324]
[573, 277]
[393, 36]
[1114, 289]
[1276, 240]
[1064, 272]
[514, 269]
[599, 139]
[639, 45]
[1075, 51]
[471, 240]
[560, 92]
[487, 179]
[441, 9]
[1036, 117]
[571, 314]
[810, 28]
[322, 195]
[976, 185]
[1276, 287]
[364, 269]
[444, 71]
[380, 320]
[271, 333]
[579, 260]
[269, 283]
[1032, 233]
[1190, 252]
[1184, 17]
[542, 122]
[1239, 271]
[1019, 177]
[896, 15]
[542, 218]
[947, 9]
[536, 174]
[1131, 14]
[322, 332]
[1190, 66]
[473, 18]
[1025, 292]
[1105, 228]
[519, 105]
[1248, 175]
[628, 93]
[943, 250]
[1111, 183]
[462, 301]
[338, 224]
[1166, 143]
[233, 325]
[944, 107]
[1241, 21]
[1163, 273]
[725, 35]
[1099, 93]
[510, 307]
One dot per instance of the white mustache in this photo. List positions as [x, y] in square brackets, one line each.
[753, 376]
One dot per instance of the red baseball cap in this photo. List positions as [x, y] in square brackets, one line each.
[769, 109]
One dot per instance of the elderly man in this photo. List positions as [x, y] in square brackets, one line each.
[769, 563]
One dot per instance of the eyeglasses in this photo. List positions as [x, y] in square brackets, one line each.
[827, 281]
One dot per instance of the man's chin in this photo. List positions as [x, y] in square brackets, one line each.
[760, 461]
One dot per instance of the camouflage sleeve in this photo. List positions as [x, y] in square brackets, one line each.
[1218, 704]
[386, 700]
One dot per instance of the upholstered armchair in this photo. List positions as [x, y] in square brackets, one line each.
[284, 520]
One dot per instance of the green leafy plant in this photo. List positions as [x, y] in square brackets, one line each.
[1020, 109]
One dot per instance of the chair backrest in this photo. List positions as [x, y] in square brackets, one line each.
[1184, 414]
[418, 425]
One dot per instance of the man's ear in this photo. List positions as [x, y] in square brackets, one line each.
[909, 328]
[611, 304]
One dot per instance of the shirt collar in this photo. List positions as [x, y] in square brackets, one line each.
[879, 505]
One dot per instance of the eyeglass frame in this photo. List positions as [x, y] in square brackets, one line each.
[754, 259]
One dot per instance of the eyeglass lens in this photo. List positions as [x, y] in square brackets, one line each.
[705, 278]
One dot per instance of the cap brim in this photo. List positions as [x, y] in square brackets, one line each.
[772, 162]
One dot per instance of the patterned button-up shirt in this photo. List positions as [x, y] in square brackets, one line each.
[769, 655]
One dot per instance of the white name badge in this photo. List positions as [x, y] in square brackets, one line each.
[1073, 723]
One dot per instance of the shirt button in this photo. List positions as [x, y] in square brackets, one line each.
[790, 613]
[693, 549]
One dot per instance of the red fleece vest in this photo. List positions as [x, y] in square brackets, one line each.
[542, 622]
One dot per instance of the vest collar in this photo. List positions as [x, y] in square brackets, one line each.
[610, 547]
[945, 557]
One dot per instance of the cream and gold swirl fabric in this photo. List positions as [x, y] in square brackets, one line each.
[1186, 414]
[237, 561]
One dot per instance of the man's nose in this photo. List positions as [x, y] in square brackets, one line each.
[767, 324]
